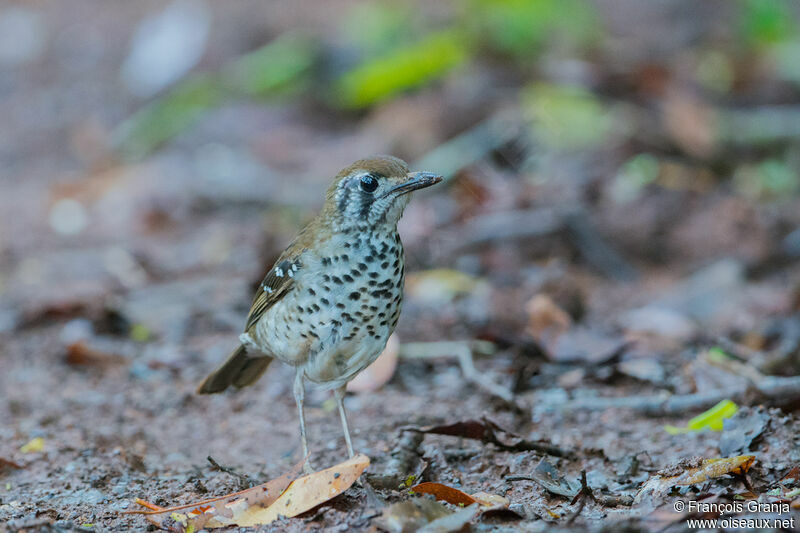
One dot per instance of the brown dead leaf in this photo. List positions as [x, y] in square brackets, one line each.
[694, 471]
[8, 464]
[488, 502]
[285, 496]
[80, 354]
[487, 431]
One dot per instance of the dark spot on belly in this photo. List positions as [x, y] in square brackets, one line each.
[325, 301]
[340, 305]
[312, 292]
[362, 266]
[348, 278]
[373, 275]
[355, 295]
[337, 280]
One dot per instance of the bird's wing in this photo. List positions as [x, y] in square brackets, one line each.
[277, 283]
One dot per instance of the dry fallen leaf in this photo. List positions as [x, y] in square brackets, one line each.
[546, 320]
[694, 471]
[217, 512]
[487, 502]
[285, 496]
[309, 491]
[80, 354]
[488, 431]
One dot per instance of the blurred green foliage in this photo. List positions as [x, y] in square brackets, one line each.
[765, 22]
[275, 68]
[167, 116]
[565, 117]
[377, 27]
[521, 28]
[766, 180]
[636, 173]
[400, 69]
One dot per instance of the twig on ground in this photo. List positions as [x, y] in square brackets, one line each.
[463, 351]
[772, 389]
[245, 482]
[583, 494]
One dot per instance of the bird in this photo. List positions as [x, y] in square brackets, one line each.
[332, 299]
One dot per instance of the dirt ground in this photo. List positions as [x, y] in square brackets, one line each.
[596, 316]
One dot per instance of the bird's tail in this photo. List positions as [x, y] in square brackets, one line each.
[239, 370]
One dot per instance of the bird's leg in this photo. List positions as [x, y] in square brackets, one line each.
[299, 395]
[340, 393]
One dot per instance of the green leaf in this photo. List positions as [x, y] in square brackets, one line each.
[275, 68]
[522, 28]
[166, 117]
[377, 27]
[566, 117]
[766, 21]
[711, 419]
[401, 69]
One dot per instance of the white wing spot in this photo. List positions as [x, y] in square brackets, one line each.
[279, 272]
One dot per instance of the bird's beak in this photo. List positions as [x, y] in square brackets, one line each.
[414, 181]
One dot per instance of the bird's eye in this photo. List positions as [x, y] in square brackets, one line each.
[369, 184]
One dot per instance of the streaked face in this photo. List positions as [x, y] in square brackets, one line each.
[373, 193]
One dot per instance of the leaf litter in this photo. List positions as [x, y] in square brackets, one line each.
[287, 495]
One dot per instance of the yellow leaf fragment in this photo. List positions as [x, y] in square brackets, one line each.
[711, 419]
[33, 446]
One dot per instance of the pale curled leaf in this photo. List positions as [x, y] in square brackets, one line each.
[692, 472]
[307, 492]
[262, 504]
[217, 512]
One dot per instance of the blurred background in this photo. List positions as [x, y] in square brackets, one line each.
[622, 200]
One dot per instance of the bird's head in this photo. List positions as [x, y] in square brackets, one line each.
[372, 193]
